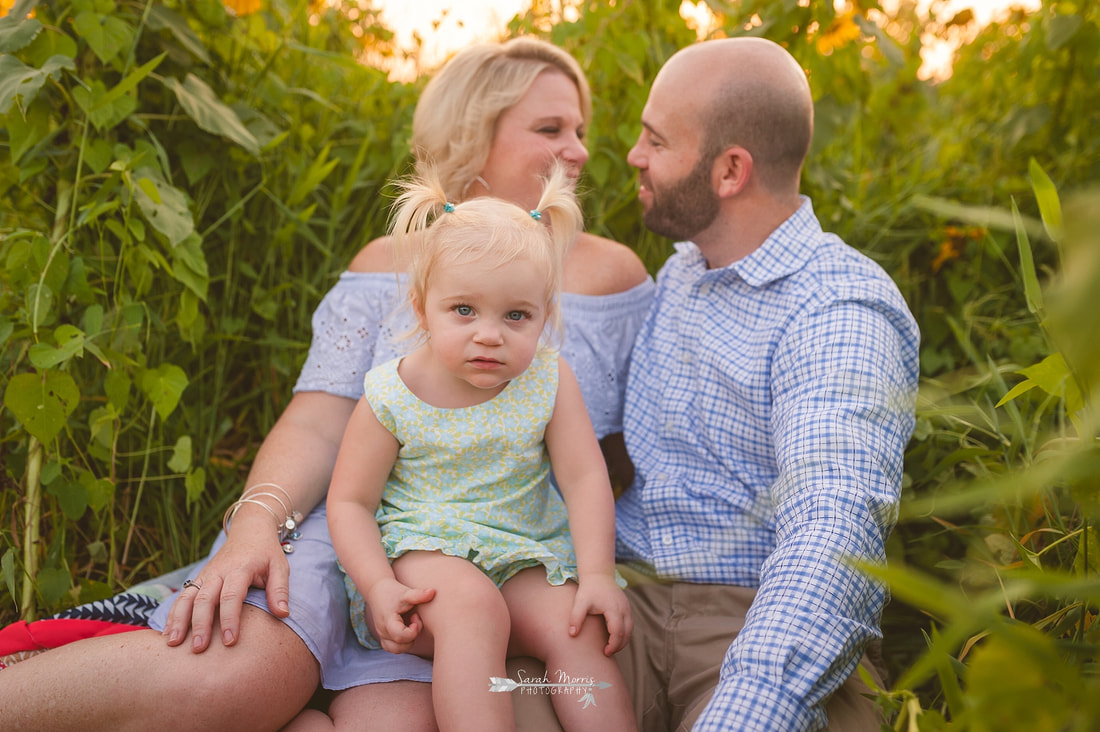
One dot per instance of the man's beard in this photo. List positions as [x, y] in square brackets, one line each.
[686, 207]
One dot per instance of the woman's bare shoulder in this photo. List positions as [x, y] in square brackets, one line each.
[600, 266]
[376, 256]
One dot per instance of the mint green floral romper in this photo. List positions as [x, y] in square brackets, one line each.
[471, 482]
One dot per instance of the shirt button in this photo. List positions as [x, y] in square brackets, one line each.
[686, 357]
[661, 476]
[667, 539]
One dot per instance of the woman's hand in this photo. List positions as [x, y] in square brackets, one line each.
[600, 595]
[250, 557]
[394, 620]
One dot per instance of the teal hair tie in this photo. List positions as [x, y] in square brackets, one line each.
[449, 207]
[536, 214]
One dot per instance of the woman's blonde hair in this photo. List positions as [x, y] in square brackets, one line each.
[456, 117]
[429, 231]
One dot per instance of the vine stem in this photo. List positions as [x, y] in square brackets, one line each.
[141, 485]
[32, 514]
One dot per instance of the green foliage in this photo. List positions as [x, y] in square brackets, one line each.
[178, 189]
[179, 186]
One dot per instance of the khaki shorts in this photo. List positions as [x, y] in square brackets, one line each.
[671, 665]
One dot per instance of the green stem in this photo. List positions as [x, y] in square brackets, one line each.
[32, 514]
[141, 485]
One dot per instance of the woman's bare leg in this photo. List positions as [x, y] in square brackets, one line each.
[134, 681]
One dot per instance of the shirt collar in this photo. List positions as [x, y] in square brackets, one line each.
[785, 251]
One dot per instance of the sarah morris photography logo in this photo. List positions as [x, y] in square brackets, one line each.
[565, 684]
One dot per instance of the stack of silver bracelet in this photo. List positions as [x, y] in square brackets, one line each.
[287, 527]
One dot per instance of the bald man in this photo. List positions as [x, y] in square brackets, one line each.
[770, 399]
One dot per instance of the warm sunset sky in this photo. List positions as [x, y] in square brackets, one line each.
[470, 20]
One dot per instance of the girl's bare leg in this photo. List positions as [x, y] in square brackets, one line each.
[540, 628]
[466, 633]
[134, 681]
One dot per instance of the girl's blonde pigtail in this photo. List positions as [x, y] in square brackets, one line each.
[559, 205]
[421, 201]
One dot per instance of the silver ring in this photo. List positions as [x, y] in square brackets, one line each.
[192, 583]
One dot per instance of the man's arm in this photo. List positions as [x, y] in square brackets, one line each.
[843, 386]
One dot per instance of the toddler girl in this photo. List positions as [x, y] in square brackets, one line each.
[441, 508]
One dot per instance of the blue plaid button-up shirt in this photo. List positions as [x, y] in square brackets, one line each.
[768, 407]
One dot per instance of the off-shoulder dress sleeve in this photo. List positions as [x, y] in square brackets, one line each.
[362, 321]
[599, 335]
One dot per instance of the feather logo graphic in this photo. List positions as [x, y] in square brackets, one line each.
[499, 684]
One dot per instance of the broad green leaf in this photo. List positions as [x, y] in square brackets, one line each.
[180, 462]
[16, 29]
[1046, 195]
[164, 386]
[50, 472]
[195, 483]
[210, 113]
[52, 584]
[1032, 291]
[107, 35]
[102, 423]
[117, 387]
[189, 266]
[27, 130]
[102, 114]
[19, 80]
[72, 497]
[100, 491]
[70, 343]
[6, 329]
[93, 320]
[164, 207]
[98, 155]
[39, 304]
[42, 402]
[53, 42]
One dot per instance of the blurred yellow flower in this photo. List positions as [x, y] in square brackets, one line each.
[241, 8]
[5, 6]
[842, 32]
[947, 252]
[952, 247]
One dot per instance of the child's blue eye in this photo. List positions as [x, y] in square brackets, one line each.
[517, 315]
[464, 310]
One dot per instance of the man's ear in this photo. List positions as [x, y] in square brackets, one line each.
[732, 170]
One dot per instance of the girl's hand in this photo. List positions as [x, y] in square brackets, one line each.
[600, 595]
[250, 557]
[394, 619]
